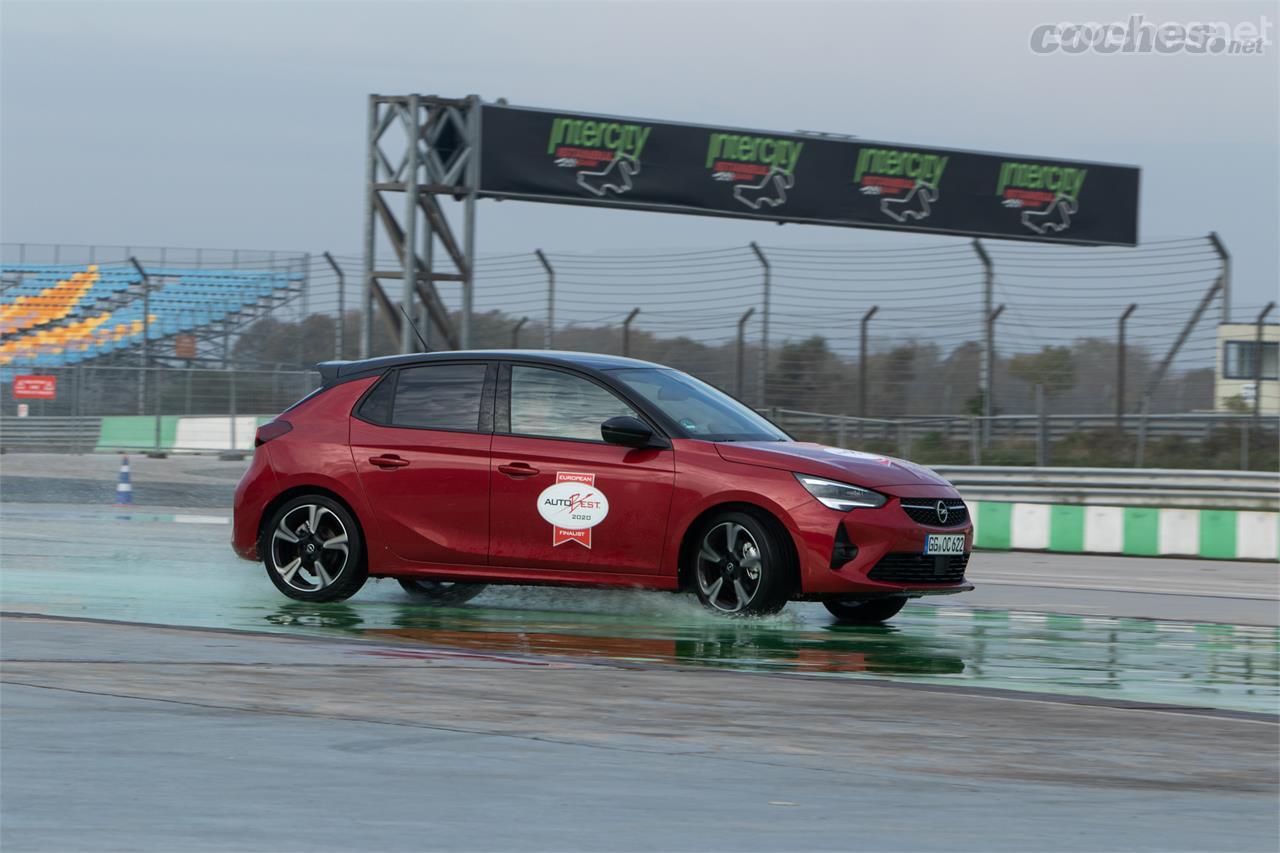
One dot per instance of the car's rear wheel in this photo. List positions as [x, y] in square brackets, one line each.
[312, 549]
[741, 566]
[441, 593]
[873, 611]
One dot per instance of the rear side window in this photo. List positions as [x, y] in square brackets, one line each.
[376, 407]
[438, 396]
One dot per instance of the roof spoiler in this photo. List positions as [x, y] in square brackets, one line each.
[329, 371]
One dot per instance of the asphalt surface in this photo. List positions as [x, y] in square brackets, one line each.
[125, 737]
[159, 694]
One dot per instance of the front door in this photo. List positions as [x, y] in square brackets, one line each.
[561, 497]
[421, 445]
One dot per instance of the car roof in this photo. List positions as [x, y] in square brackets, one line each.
[338, 371]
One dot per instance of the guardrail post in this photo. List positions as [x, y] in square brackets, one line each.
[975, 442]
[159, 392]
[1244, 445]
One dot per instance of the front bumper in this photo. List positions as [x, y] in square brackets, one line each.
[874, 533]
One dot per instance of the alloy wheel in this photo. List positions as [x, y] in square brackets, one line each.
[729, 567]
[309, 548]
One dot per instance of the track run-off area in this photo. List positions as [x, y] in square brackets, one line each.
[145, 665]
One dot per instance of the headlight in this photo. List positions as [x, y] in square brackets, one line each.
[840, 496]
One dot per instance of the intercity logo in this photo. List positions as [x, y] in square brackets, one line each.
[1047, 195]
[606, 153]
[762, 168]
[909, 181]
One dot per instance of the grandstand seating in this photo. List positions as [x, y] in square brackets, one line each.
[58, 315]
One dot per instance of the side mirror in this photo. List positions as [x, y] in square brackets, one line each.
[627, 431]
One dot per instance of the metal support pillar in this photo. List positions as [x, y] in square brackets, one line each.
[738, 385]
[549, 333]
[146, 347]
[409, 254]
[339, 331]
[368, 283]
[1120, 366]
[515, 332]
[626, 331]
[1257, 360]
[1225, 257]
[763, 380]
[435, 163]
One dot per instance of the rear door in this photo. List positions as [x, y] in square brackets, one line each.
[562, 498]
[421, 440]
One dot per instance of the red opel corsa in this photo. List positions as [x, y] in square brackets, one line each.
[449, 471]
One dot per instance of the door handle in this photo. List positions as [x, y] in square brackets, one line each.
[518, 469]
[388, 460]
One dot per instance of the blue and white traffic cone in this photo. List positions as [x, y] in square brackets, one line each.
[124, 488]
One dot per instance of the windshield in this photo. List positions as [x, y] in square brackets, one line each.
[701, 410]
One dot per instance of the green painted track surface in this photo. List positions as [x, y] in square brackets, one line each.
[179, 570]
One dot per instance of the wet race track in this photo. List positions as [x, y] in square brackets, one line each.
[173, 567]
[176, 569]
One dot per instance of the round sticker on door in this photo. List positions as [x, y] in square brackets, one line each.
[572, 506]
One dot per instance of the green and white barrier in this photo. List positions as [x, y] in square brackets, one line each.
[177, 433]
[1131, 530]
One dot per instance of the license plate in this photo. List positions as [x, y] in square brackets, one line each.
[946, 543]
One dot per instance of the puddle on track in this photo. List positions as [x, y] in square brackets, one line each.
[149, 567]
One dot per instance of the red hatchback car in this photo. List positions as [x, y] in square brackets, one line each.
[449, 471]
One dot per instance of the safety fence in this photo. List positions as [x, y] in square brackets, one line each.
[876, 331]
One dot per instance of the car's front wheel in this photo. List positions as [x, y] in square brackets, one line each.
[873, 611]
[441, 593]
[741, 566]
[312, 549]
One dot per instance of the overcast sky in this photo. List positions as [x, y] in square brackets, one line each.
[237, 124]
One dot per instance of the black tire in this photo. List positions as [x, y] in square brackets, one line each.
[737, 555]
[330, 558]
[852, 611]
[441, 593]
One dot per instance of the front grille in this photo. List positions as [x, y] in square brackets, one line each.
[926, 512]
[919, 568]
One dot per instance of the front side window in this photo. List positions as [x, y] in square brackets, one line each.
[1238, 359]
[439, 396]
[701, 410]
[555, 404]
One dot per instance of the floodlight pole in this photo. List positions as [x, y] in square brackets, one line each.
[549, 333]
[741, 354]
[339, 342]
[763, 379]
[1257, 361]
[1120, 359]
[626, 331]
[862, 360]
[515, 332]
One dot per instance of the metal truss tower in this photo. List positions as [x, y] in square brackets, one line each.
[423, 151]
